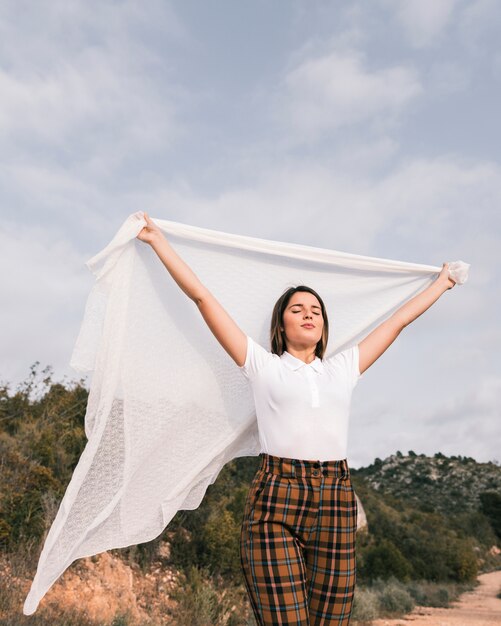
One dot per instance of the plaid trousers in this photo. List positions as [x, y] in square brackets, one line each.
[297, 542]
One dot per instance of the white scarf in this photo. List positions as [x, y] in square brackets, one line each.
[167, 406]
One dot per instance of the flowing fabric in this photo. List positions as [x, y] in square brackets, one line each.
[167, 406]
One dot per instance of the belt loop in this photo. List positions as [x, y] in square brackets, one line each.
[288, 467]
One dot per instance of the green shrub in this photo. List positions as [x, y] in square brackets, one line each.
[123, 619]
[222, 543]
[394, 599]
[365, 605]
[200, 603]
[385, 560]
[461, 560]
[24, 486]
[474, 524]
[490, 506]
[429, 594]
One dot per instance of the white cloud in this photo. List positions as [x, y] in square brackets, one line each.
[82, 79]
[417, 212]
[337, 89]
[90, 112]
[478, 27]
[45, 290]
[446, 77]
[457, 419]
[423, 20]
[468, 420]
[87, 97]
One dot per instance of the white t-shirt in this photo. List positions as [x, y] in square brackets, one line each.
[302, 409]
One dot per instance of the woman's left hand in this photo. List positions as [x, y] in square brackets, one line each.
[444, 277]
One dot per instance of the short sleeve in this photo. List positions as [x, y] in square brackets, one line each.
[257, 358]
[349, 360]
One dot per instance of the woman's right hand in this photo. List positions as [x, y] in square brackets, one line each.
[150, 232]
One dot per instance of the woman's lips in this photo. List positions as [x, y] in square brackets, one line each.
[308, 326]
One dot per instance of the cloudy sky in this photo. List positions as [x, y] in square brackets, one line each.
[371, 128]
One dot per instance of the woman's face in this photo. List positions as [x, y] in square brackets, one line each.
[303, 320]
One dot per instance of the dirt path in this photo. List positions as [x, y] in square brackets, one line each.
[474, 608]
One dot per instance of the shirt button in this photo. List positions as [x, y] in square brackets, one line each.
[315, 472]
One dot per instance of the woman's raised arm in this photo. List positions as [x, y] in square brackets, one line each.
[222, 325]
[376, 342]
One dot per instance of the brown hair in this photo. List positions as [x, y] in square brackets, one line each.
[277, 336]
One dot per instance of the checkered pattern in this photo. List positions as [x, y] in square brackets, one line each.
[297, 543]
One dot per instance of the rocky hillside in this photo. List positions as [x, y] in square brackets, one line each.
[438, 483]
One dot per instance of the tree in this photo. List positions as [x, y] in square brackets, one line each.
[490, 506]
[385, 560]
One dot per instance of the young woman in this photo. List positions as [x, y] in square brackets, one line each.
[297, 542]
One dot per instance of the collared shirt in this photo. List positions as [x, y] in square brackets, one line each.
[302, 409]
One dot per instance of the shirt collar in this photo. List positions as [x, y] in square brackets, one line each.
[294, 363]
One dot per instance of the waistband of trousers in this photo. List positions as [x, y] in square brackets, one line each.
[301, 467]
